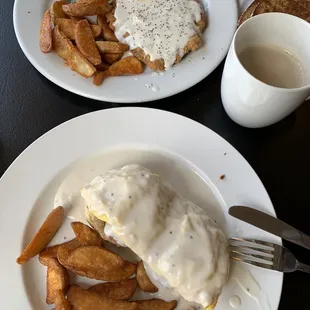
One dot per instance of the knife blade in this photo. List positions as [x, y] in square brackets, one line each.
[270, 224]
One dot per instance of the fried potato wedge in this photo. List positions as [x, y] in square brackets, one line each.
[67, 26]
[61, 302]
[57, 279]
[80, 64]
[107, 33]
[95, 258]
[44, 235]
[46, 33]
[112, 47]
[100, 76]
[85, 42]
[85, 234]
[144, 281]
[108, 274]
[57, 11]
[51, 252]
[61, 44]
[111, 58]
[111, 20]
[65, 249]
[156, 304]
[122, 290]
[102, 67]
[81, 299]
[99, 7]
[126, 66]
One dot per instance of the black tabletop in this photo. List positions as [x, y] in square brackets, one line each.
[30, 105]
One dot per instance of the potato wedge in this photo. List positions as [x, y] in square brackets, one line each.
[57, 279]
[44, 235]
[65, 249]
[57, 11]
[107, 33]
[61, 302]
[81, 299]
[67, 26]
[46, 33]
[144, 281]
[85, 42]
[102, 67]
[122, 290]
[61, 44]
[109, 274]
[95, 258]
[111, 58]
[51, 252]
[99, 7]
[156, 304]
[80, 64]
[85, 234]
[112, 47]
[126, 66]
[111, 20]
[100, 76]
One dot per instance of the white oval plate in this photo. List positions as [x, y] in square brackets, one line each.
[28, 187]
[222, 16]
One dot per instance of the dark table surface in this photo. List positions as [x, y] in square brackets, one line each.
[30, 105]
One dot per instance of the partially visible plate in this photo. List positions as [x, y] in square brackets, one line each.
[177, 148]
[222, 15]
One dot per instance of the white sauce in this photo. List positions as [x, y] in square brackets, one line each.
[161, 28]
[175, 237]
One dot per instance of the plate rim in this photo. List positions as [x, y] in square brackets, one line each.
[132, 109]
[154, 96]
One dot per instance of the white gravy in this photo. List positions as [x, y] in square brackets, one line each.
[161, 28]
[175, 237]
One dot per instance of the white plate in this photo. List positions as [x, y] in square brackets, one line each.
[222, 24]
[28, 187]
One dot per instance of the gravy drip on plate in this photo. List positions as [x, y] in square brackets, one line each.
[173, 236]
[161, 28]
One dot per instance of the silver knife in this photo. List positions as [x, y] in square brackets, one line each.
[270, 224]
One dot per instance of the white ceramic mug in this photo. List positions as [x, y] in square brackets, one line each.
[250, 102]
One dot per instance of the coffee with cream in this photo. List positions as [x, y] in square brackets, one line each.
[273, 65]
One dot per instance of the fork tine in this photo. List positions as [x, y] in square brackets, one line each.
[255, 258]
[242, 260]
[251, 251]
[251, 243]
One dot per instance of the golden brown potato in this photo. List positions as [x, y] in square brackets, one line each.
[85, 234]
[65, 249]
[67, 26]
[80, 64]
[122, 290]
[111, 20]
[85, 42]
[156, 304]
[94, 257]
[61, 44]
[46, 33]
[44, 235]
[143, 280]
[51, 252]
[107, 33]
[112, 47]
[57, 279]
[100, 76]
[81, 299]
[61, 302]
[111, 58]
[102, 67]
[99, 7]
[126, 66]
[57, 11]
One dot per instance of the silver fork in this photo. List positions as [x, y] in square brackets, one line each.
[265, 254]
